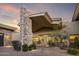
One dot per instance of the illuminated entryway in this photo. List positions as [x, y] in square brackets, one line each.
[40, 40]
[45, 39]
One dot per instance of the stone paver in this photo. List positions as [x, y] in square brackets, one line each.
[53, 51]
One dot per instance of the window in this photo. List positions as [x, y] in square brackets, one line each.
[7, 40]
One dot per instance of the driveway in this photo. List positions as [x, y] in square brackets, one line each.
[53, 51]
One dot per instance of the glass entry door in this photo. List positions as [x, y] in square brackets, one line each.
[1, 39]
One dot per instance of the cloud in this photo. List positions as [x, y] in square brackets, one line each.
[9, 14]
[9, 8]
[9, 11]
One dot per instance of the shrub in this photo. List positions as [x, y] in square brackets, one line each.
[25, 47]
[32, 46]
[16, 45]
[76, 44]
[72, 51]
[28, 48]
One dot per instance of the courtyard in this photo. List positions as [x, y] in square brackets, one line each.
[52, 51]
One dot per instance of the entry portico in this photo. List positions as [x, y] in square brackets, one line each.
[32, 23]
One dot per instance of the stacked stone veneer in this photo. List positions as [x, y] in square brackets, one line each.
[25, 27]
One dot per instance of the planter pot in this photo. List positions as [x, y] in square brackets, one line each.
[16, 45]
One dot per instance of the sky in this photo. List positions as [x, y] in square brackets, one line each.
[10, 13]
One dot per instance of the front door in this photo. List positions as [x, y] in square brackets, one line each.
[1, 39]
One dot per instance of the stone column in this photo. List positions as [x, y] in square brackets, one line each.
[25, 27]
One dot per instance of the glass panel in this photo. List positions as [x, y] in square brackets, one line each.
[7, 42]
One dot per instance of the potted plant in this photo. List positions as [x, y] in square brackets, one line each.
[16, 45]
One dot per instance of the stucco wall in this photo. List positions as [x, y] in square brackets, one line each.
[73, 28]
[16, 36]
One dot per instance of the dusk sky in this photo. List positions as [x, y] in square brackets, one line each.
[9, 13]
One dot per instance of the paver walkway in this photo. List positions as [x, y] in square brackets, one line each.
[53, 51]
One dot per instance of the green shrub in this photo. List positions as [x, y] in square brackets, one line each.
[32, 46]
[76, 44]
[72, 51]
[25, 47]
[16, 45]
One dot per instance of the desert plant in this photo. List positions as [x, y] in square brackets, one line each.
[72, 51]
[74, 48]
